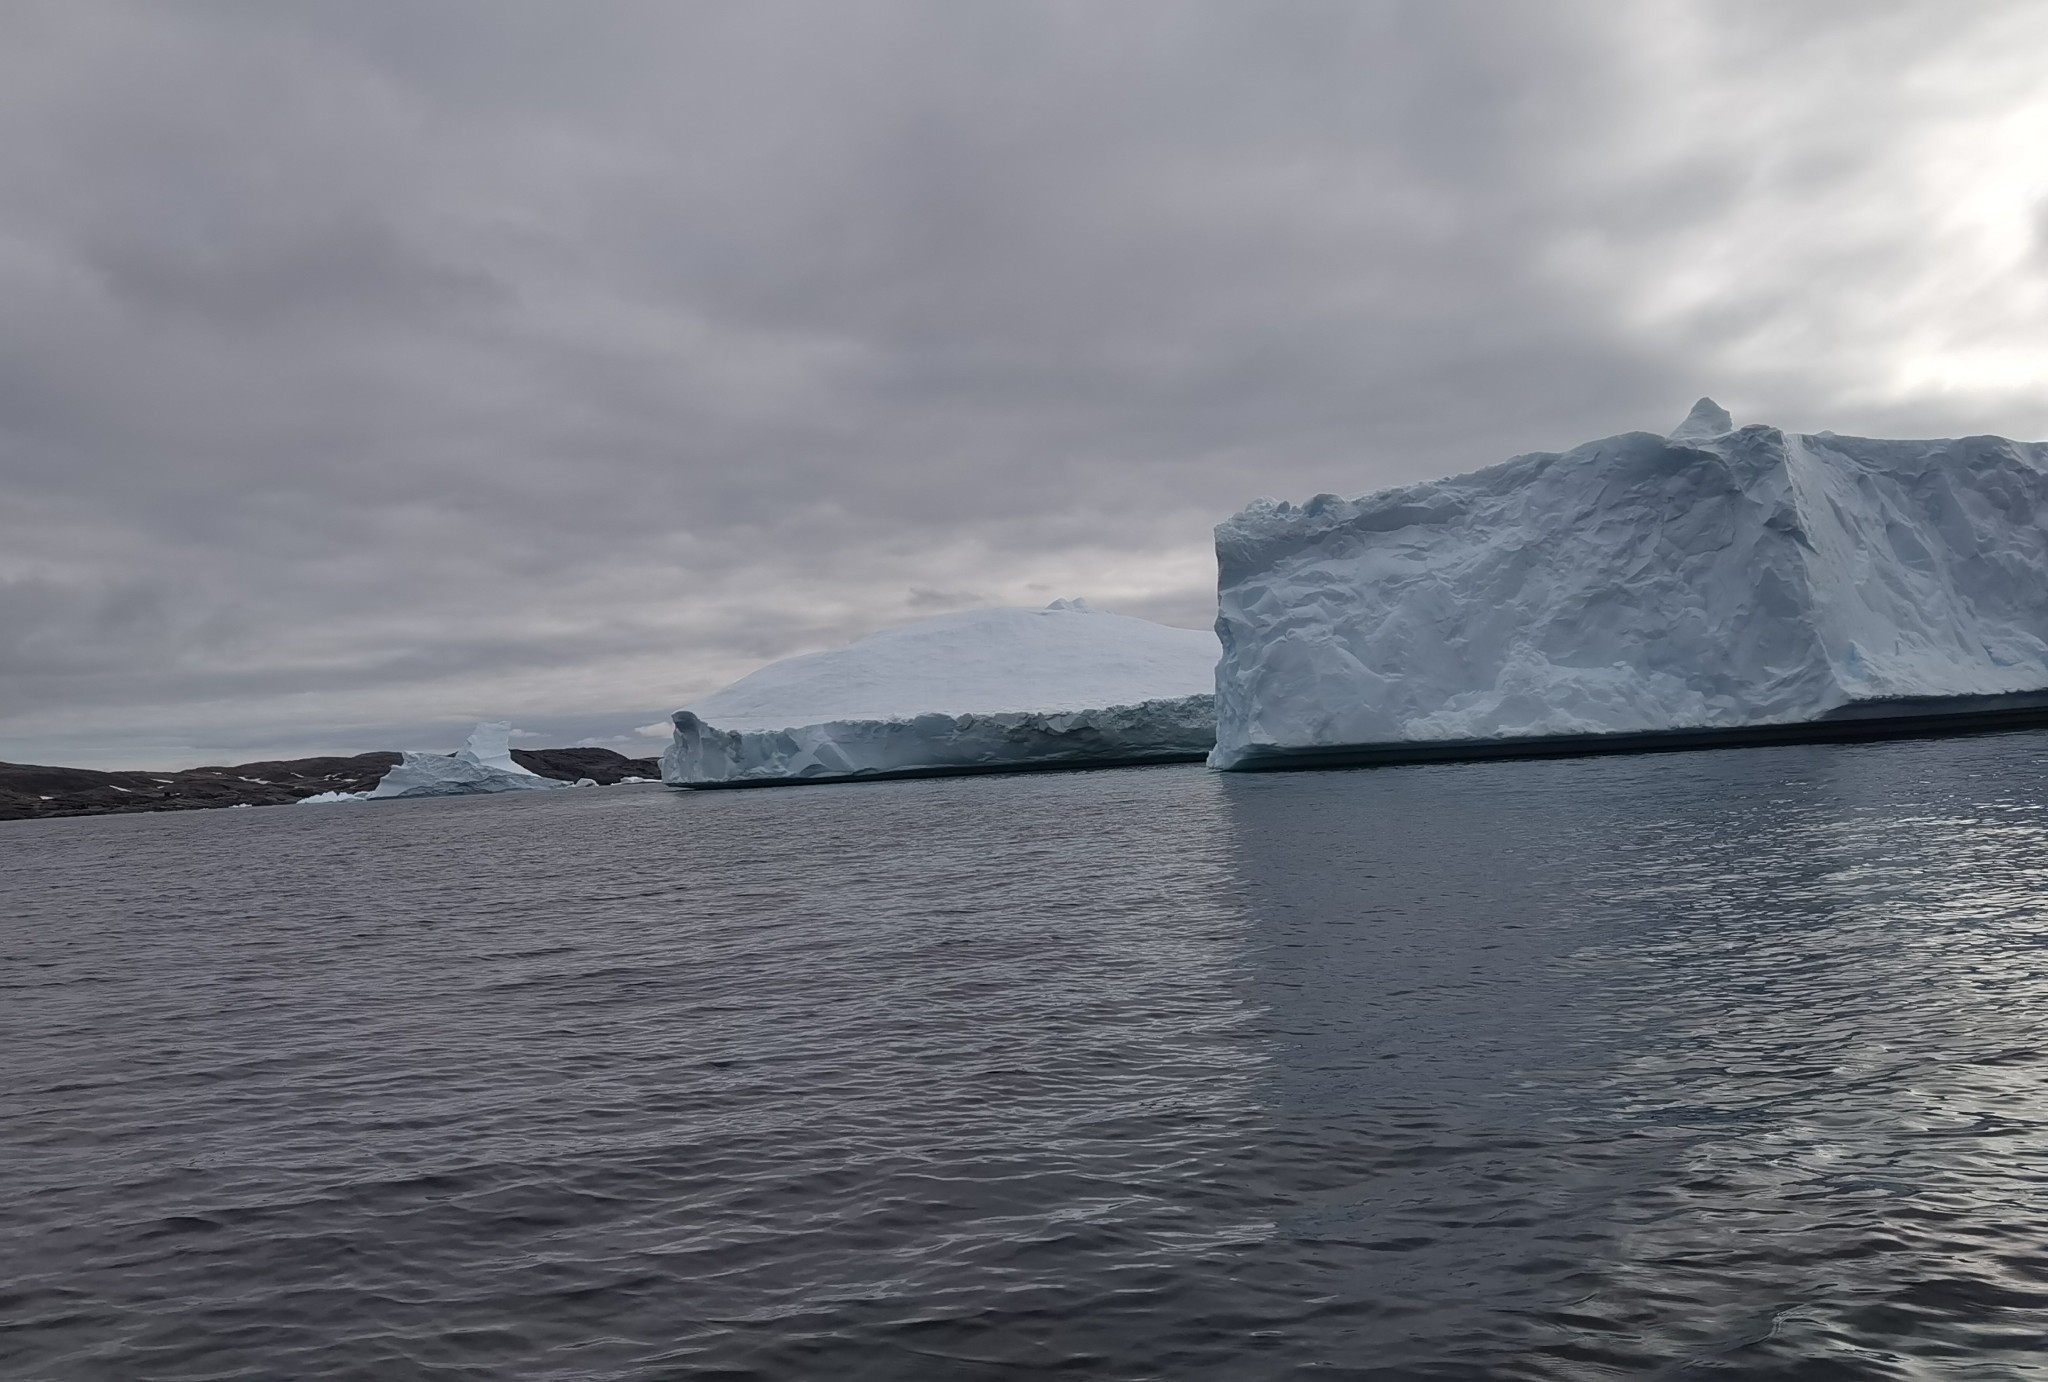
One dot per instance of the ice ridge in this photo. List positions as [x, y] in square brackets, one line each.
[1707, 419]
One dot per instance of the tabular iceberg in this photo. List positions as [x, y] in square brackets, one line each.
[483, 764]
[987, 690]
[1719, 584]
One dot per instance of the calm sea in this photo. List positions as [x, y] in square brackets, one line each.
[1728, 1064]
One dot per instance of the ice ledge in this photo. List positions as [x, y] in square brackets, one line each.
[1182, 729]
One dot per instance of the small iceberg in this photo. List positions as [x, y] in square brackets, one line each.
[483, 764]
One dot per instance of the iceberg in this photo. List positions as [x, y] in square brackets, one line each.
[987, 690]
[1719, 584]
[483, 764]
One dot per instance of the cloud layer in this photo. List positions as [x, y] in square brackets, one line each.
[366, 369]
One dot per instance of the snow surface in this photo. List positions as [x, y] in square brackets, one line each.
[483, 764]
[1716, 578]
[985, 689]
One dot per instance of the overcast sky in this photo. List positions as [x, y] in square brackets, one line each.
[370, 368]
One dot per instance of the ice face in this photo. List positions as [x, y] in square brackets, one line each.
[1717, 578]
[986, 689]
[1707, 419]
[443, 775]
[490, 746]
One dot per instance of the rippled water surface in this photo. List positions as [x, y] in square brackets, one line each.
[1719, 1062]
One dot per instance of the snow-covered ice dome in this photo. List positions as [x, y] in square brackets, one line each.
[1720, 583]
[483, 764]
[976, 691]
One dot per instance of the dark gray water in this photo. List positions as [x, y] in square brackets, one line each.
[1729, 1062]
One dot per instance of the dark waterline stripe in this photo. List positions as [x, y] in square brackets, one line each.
[1923, 718]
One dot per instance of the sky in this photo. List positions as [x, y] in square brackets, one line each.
[369, 368]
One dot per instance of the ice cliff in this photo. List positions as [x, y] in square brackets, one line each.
[984, 690]
[483, 764]
[1712, 581]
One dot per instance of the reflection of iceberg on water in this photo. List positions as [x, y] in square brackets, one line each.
[484, 764]
[1720, 585]
[987, 690]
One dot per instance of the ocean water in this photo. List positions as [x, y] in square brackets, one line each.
[1729, 1064]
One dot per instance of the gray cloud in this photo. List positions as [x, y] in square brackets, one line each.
[366, 367]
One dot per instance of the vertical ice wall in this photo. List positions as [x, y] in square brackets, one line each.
[1716, 578]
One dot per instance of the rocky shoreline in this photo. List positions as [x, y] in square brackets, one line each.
[29, 791]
